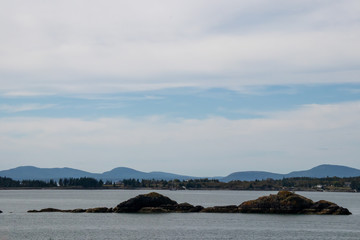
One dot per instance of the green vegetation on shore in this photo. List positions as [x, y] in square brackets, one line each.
[298, 184]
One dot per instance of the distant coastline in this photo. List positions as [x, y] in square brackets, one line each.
[329, 184]
[333, 178]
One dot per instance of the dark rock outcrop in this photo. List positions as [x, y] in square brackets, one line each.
[282, 203]
[290, 203]
[0, 211]
[150, 200]
[154, 203]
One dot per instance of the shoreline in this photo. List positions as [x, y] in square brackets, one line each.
[199, 189]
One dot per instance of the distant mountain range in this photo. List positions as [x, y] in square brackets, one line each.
[34, 173]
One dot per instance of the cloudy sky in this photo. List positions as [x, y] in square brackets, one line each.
[203, 88]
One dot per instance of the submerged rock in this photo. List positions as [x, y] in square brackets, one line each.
[99, 210]
[288, 202]
[222, 209]
[187, 207]
[45, 210]
[182, 208]
[78, 210]
[0, 211]
[179, 208]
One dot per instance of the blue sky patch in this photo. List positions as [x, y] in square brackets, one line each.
[196, 103]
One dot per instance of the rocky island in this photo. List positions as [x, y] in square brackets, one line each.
[290, 203]
[284, 202]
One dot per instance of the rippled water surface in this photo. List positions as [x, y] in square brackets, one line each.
[15, 223]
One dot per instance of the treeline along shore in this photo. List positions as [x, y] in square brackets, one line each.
[295, 184]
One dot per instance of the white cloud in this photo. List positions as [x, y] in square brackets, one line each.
[24, 94]
[91, 46]
[284, 141]
[24, 107]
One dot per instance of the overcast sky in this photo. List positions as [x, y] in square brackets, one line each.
[200, 88]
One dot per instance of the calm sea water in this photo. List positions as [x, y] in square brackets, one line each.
[15, 223]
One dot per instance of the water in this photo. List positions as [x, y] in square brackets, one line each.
[15, 223]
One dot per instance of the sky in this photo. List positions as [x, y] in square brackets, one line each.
[201, 88]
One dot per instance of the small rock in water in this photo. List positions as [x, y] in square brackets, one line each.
[150, 200]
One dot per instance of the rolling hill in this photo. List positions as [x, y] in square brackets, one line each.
[251, 176]
[320, 171]
[116, 174]
[326, 170]
[35, 173]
